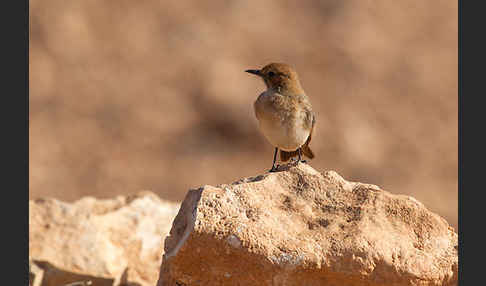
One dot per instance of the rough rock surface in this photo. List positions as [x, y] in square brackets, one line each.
[117, 241]
[301, 227]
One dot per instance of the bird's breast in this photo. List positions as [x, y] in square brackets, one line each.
[280, 121]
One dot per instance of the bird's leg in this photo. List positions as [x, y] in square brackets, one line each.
[300, 157]
[274, 159]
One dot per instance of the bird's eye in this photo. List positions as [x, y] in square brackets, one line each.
[271, 74]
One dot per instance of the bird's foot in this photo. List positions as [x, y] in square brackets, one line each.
[295, 162]
[274, 169]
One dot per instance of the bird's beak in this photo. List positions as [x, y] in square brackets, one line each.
[255, 72]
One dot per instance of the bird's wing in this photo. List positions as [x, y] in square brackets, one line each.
[310, 118]
[312, 124]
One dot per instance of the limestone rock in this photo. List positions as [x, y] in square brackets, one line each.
[44, 273]
[99, 240]
[301, 227]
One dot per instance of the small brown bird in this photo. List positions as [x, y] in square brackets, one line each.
[284, 113]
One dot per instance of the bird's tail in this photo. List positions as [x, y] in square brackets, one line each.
[285, 156]
[306, 150]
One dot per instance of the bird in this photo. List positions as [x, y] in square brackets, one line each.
[284, 113]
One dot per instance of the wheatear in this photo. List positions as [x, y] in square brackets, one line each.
[284, 113]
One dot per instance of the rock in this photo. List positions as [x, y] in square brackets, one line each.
[301, 227]
[46, 274]
[104, 241]
[35, 274]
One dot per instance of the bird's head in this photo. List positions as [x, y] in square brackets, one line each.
[279, 77]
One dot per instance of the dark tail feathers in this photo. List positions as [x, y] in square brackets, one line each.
[285, 156]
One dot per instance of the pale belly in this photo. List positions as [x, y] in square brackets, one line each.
[288, 136]
[281, 130]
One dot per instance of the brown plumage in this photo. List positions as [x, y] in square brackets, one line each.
[284, 112]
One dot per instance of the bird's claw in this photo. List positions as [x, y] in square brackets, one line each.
[274, 169]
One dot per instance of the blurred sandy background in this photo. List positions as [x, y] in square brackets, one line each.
[152, 95]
